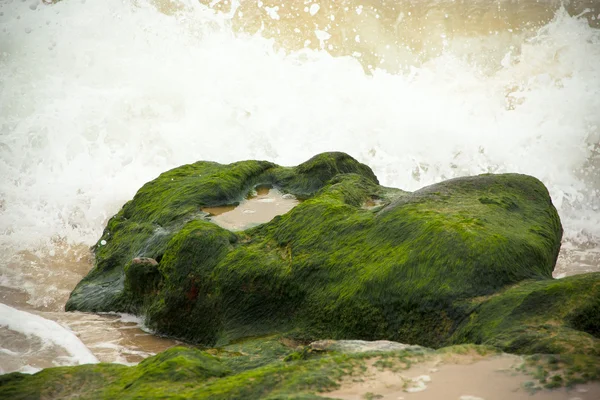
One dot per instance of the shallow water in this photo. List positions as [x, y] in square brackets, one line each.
[36, 333]
[99, 97]
[261, 206]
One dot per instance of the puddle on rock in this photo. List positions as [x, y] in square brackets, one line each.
[264, 204]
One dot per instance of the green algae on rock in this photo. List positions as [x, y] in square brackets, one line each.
[259, 368]
[251, 370]
[548, 317]
[411, 269]
[263, 368]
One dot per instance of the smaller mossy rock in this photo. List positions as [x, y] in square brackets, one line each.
[263, 368]
[331, 267]
[254, 369]
[187, 292]
[155, 377]
[178, 364]
[552, 316]
[84, 381]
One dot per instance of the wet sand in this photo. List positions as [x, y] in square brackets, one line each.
[456, 378]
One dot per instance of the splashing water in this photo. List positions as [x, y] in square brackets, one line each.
[98, 97]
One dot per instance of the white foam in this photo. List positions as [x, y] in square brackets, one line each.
[9, 352]
[314, 8]
[131, 318]
[418, 384]
[89, 115]
[120, 352]
[28, 369]
[47, 331]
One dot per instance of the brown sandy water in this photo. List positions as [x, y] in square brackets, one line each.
[261, 206]
[456, 378]
[46, 280]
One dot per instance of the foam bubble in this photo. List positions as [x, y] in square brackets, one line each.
[314, 8]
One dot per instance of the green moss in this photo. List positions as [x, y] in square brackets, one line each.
[87, 381]
[482, 350]
[551, 316]
[142, 280]
[587, 318]
[554, 371]
[309, 177]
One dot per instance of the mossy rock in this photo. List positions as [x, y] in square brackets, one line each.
[413, 269]
[252, 370]
[550, 317]
[261, 368]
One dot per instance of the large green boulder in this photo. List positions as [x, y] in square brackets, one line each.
[417, 268]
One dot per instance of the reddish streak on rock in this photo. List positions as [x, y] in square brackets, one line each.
[192, 294]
